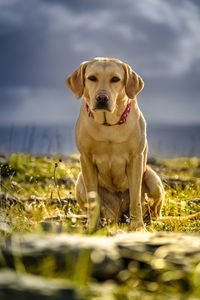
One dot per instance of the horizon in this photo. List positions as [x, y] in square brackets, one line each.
[50, 139]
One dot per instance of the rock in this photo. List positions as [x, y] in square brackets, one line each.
[4, 227]
[193, 201]
[64, 251]
[61, 217]
[173, 182]
[6, 171]
[66, 181]
[5, 222]
[107, 255]
[24, 286]
[162, 258]
[8, 199]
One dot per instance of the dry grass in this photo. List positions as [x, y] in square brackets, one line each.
[31, 177]
[40, 193]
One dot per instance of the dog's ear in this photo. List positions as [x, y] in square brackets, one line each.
[75, 81]
[133, 82]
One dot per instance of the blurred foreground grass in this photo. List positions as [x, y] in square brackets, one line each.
[37, 193]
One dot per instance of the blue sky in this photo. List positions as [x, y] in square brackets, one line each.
[43, 41]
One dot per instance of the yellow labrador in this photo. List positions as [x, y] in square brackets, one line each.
[111, 138]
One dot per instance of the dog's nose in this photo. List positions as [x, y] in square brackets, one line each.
[102, 98]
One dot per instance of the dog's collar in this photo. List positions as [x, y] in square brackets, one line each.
[122, 118]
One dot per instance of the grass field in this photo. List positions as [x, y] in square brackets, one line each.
[37, 196]
[38, 184]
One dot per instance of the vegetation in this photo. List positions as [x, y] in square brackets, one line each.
[37, 196]
[39, 180]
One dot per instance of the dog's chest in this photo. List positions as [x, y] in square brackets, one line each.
[111, 162]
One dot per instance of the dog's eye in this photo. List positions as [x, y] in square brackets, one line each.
[92, 78]
[115, 79]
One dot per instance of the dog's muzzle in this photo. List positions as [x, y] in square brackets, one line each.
[102, 101]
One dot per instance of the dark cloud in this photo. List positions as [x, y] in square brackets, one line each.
[83, 5]
[41, 42]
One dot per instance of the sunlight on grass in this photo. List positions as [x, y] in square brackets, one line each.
[32, 179]
[37, 196]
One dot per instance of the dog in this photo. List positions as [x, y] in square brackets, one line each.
[111, 139]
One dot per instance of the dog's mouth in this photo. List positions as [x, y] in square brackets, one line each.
[106, 124]
[101, 106]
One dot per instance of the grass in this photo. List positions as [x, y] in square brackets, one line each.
[36, 186]
[30, 177]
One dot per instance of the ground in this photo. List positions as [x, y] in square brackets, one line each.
[37, 196]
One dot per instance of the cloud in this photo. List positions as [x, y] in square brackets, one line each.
[43, 41]
[184, 22]
[38, 105]
[160, 33]
[167, 110]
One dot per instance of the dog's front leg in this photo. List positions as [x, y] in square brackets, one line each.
[135, 171]
[89, 172]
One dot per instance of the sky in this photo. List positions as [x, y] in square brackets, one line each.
[43, 41]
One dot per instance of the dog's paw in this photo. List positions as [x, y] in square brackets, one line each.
[141, 229]
[138, 227]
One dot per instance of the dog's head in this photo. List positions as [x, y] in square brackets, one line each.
[105, 83]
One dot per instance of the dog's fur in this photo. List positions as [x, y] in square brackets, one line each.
[114, 158]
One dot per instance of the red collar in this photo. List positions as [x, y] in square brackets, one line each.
[122, 119]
